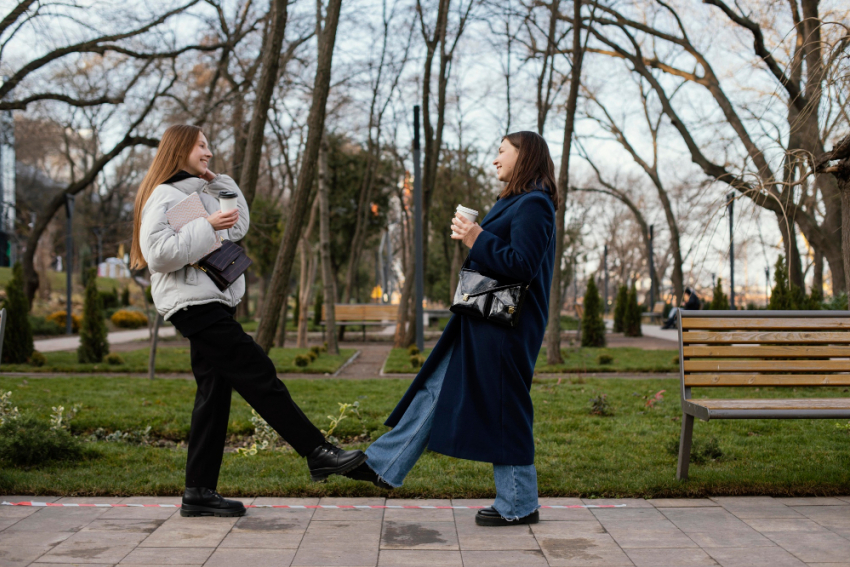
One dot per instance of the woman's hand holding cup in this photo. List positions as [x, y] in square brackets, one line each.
[222, 221]
[465, 230]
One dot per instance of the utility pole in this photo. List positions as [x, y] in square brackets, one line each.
[575, 282]
[605, 271]
[69, 252]
[766, 286]
[731, 208]
[417, 213]
[651, 268]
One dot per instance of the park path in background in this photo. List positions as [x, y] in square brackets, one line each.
[117, 337]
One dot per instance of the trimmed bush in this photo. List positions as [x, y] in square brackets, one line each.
[604, 359]
[128, 319]
[114, 359]
[58, 317]
[412, 350]
[316, 350]
[17, 343]
[312, 356]
[93, 343]
[125, 297]
[109, 299]
[30, 442]
[41, 326]
[631, 317]
[417, 360]
[620, 308]
[37, 359]
[592, 325]
[302, 360]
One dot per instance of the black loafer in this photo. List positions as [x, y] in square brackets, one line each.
[365, 473]
[206, 502]
[490, 517]
[327, 459]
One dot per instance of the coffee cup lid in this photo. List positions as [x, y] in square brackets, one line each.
[463, 209]
[226, 194]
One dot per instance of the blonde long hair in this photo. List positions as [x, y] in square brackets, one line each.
[171, 155]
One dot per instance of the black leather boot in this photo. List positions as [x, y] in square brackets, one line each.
[490, 517]
[328, 459]
[206, 502]
[364, 472]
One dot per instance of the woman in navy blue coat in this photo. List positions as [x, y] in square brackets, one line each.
[471, 399]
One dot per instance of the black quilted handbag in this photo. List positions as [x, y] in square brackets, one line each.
[486, 298]
[225, 265]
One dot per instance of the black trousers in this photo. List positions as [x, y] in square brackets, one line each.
[224, 357]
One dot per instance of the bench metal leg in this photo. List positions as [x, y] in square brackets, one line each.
[685, 446]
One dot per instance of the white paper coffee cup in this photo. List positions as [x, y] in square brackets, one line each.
[469, 214]
[227, 200]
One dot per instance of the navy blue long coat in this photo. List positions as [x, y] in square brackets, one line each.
[484, 412]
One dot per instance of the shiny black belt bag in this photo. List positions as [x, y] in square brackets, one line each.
[487, 298]
[225, 265]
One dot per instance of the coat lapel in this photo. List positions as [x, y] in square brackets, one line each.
[499, 208]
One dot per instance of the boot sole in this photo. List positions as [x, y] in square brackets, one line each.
[321, 475]
[532, 518]
[194, 511]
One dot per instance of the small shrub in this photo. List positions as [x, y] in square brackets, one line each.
[114, 358]
[599, 405]
[58, 317]
[312, 355]
[127, 319]
[604, 359]
[703, 450]
[316, 350]
[41, 326]
[17, 343]
[37, 359]
[417, 360]
[631, 317]
[30, 442]
[125, 297]
[302, 360]
[620, 308]
[7, 410]
[675, 360]
[93, 342]
[592, 325]
[135, 437]
[412, 350]
[109, 299]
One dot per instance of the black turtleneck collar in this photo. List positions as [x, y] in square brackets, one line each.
[179, 176]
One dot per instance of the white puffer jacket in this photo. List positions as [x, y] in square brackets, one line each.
[175, 284]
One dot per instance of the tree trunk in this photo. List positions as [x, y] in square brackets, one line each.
[264, 90]
[817, 276]
[299, 199]
[325, 243]
[280, 336]
[308, 280]
[553, 339]
[844, 190]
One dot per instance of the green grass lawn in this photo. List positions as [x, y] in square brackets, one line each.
[58, 280]
[626, 359]
[176, 359]
[578, 454]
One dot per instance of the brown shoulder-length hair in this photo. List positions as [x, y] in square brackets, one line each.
[534, 166]
[171, 155]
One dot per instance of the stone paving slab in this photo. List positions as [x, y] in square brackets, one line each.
[723, 531]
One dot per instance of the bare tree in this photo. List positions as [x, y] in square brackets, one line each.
[298, 202]
[328, 279]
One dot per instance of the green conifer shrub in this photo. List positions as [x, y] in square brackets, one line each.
[631, 318]
[620, 308]
[17, 343]
[93, 343]
[719, 300]
[125, 297]
[592, 325]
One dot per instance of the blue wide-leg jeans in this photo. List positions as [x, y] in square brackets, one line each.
[395, 452]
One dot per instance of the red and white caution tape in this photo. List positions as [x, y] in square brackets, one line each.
[293, 507]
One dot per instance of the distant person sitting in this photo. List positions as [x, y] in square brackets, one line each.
[692, 303]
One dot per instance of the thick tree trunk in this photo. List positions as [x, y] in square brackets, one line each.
[817, 273]
[308, 280]
[280, 336]
[298, 202]
[325, 243]
[553, 328]
[844, 190]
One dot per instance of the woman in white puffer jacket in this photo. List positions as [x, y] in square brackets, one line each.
[224, 357]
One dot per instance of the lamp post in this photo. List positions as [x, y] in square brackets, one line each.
[605, 276]
[651, 268]
[766, 286]
[731, 208]
[417, 213]
[69, 253]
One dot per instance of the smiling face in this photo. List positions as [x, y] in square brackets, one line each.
[506, 160]
[199, 159]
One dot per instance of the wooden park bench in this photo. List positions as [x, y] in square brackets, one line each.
[761, 349]
[657, 311]
[362, 314]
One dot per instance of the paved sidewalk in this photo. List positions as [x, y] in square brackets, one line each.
[116, 337]
[732, 532]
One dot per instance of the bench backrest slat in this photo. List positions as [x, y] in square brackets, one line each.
[362, 312]
[764, 348]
